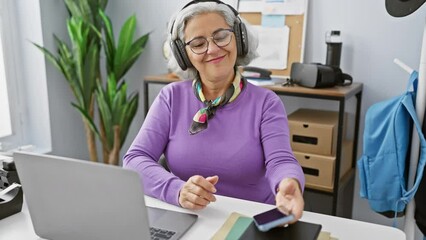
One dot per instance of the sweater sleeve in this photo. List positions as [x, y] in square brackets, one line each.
[275, 136]
[146, 149]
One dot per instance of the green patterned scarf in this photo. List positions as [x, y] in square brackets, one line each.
[199, 121]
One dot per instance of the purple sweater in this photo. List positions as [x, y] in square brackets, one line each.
[246, 144]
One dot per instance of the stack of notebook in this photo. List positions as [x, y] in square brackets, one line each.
[238, 226]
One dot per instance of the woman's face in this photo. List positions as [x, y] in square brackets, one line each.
[216, 62]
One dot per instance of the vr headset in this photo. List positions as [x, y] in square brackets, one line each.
[316, 75]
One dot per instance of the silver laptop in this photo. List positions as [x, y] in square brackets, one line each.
[77, 199]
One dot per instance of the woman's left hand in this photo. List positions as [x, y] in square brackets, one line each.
[289, 198]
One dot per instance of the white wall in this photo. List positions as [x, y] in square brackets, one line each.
[371, 40]
[68, 136]
[152, 17]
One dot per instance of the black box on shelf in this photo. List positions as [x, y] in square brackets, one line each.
[11, 195]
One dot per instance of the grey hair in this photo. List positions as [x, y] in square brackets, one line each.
[177, 26]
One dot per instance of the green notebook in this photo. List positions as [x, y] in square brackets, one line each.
[239, 227]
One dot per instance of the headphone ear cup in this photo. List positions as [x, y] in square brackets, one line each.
[178, 50]
[237, 32]
[244, 39]
[240, 32]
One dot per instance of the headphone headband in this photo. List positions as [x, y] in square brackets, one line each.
[216, 1]
[239, 29]
[202, 1]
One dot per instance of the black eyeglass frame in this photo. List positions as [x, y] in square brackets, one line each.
[213, 40]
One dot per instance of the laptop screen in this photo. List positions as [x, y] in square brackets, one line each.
[76, 199]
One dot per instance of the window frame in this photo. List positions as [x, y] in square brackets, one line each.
[10, 52]
[26, 78]
[5, 121]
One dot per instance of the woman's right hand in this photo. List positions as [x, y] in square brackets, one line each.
[198, 192]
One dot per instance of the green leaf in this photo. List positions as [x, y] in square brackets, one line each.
[111, 88]
[105, 114]
[90, 72]
[82, 9]
[125, 41]
[123, 90]
[128, 63]
[130, 112]
[133, 55]
[86, 11]
[73, 7]
[86, 116]
[67, 64]
[72, 27]
[97, 32]
[49, 56]
[116, 107]
[141, 42]
[109, 42]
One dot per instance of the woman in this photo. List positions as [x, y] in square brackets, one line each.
[220, 134]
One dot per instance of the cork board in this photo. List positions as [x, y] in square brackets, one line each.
[296, 23]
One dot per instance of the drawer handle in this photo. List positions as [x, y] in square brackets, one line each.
[310, 171]
[307, 157]
[305, 125]
[305, 139]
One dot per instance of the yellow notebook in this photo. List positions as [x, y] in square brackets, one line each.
[225, 229]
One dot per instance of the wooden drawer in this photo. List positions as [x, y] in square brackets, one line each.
[320, 169]
[313, 131]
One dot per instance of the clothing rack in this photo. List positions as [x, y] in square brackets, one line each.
[410, 223]
[414, 155]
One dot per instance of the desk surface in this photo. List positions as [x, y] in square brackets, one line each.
[19, 226]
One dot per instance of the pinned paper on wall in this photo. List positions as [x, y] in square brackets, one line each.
[273, 47]
[273, 20]
[232, 3]
[288, 7]
[250, 5]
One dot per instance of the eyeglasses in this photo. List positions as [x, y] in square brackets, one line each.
[200, 45]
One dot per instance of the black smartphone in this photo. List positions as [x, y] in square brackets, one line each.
[270, 219]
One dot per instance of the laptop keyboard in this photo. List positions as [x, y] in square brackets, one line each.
[160, 234]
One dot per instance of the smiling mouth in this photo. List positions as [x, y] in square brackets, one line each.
[216, 60]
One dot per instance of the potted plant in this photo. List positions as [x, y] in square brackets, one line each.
[91, 32]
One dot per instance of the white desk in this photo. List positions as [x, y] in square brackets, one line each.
[19, 226]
